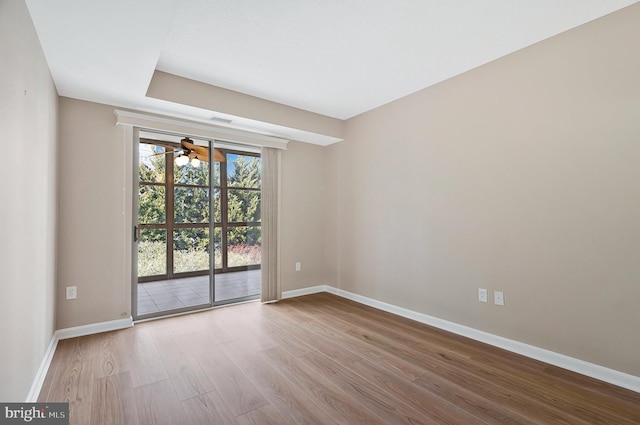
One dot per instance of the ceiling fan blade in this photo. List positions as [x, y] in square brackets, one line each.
[188, 148]
[218, 156]
[188, 144]
[202, 152]
[164, 153]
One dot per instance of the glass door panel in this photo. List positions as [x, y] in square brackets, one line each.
[237, 203]
[172, 229]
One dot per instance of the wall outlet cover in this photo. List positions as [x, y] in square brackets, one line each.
[482, 295]
[72, 292]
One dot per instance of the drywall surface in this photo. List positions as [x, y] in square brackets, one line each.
[29, 114]
[519, 176]
[92, 215]
[304, 221]
[181, 90]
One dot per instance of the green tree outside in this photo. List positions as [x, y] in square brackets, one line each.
[191, 205]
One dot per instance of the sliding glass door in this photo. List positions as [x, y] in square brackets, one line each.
[197, 226]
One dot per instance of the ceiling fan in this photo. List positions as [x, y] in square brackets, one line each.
[188, 151]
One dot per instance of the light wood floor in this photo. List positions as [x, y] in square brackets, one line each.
[317, 359]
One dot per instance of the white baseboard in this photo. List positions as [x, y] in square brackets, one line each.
[305, 291]
[38, 381]
[76, 331]
[94, 328]
[582, 367]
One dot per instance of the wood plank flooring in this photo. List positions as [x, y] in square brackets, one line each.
[318, 359]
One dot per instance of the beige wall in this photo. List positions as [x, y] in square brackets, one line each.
[303, 219]
[94, 215]
[28, 114]
[520, 176]
[194, 93]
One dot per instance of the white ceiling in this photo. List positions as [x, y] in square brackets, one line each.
[338, 58]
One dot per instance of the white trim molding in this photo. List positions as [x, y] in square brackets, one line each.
[94, 328]
[621, 379]
[38, 381]
[305, 291]
[196, 129]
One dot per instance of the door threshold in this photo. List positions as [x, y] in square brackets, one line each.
[200, 310]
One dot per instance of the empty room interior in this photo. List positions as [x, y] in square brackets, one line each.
[301, 212]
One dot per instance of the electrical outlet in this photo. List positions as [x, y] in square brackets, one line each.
[72, 292]
[298, 266]
[498, 297]
[482, 295]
